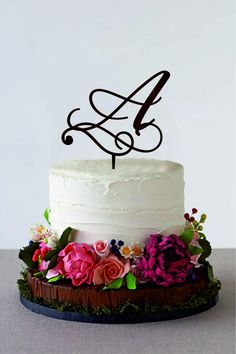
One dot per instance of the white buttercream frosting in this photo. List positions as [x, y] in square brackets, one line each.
[139, 197]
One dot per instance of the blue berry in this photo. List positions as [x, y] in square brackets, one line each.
[191, 276]
[113, 242]
[120, 243]
[114, 248]
[31, 243]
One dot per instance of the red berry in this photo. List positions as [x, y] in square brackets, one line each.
[194, 211]
[191, 219]
[186, 216]
[35, 255]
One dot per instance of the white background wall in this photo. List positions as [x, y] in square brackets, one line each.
[53, 53]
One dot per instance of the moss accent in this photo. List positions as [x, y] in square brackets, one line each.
[192, 303]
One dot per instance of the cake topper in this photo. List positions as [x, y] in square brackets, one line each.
[121, 145]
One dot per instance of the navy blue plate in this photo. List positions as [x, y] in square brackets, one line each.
[127, 317]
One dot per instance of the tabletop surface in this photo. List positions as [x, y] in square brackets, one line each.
[22, 331]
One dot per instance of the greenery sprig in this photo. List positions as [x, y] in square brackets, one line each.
[193, 224]
[196, 227]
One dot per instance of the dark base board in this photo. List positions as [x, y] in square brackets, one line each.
[127, 317]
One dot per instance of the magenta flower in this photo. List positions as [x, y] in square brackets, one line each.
[166, 261]
[138, 273]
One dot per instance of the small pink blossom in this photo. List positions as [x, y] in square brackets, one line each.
[194, 242]
[43, 265]
[101, 247]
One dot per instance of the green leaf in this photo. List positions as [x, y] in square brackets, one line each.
[26, 255]
[64, 239]
[46, 215]
[206, 250]
[131, 281]
[50, 254]
[58, 277]
[40, 274]
[116, 284]
[187, 236]
[53, 261]
[194, 250]
[210, 274]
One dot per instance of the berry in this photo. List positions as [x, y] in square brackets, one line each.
[114, 248]
[191, 219]
[117, 253]
[113, 242]
[194, 211]
[200, 228]
[186, 215]
[120, 243]
[203, 218]
[191, 276]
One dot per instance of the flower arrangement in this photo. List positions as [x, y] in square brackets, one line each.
[164, 260]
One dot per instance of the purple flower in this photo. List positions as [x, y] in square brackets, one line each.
[166, 261]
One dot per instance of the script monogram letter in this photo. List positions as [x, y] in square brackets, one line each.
[123, 141]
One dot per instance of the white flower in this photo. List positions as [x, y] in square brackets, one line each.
[126, 251]
[137, 249]
[38, 233]
[52, 240]
[41, 233]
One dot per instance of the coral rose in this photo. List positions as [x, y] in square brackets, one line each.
[76, 262]
[109, 269]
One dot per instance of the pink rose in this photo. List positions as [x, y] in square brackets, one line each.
[76, 262]
[101, 248]
[109, 269]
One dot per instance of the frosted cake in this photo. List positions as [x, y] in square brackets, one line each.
[119, 246]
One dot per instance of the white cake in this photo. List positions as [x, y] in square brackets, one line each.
[139, 197]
